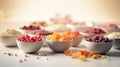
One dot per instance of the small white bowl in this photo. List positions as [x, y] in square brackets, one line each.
[44, 37]
[29, 47]
[74, 28]
[101, 48]
[59, 46]
[8, 41]
[111, 30]
[116, 44]
[108, 30]
[76, 41]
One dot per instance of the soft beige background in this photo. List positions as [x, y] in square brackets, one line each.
[18, 12]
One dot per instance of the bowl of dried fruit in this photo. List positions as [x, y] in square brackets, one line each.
[43, 33]
[93, 32]
[27, 29]
[98, 44]
[59, 42]
[29, 44]
[77, 37]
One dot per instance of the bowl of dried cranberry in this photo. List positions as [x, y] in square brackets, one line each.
[29, 44]
[93, 31]
[98, 44]
[43, 33]
[27, 29]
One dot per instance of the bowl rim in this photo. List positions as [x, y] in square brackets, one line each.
[28, 42]
[26, 30]
[98, 26]
[83, 33]
[99, 42]
[38, 35]
[59, 41]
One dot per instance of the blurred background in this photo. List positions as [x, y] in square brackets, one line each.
[14, 13]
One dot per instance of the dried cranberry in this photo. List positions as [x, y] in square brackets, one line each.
[30, 27]
[95, 31]
[27, 38]
[41, 32]
[98, 39]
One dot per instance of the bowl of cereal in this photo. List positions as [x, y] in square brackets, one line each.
[98, 44]
[8, 37]
[116, 39]
[59, 42]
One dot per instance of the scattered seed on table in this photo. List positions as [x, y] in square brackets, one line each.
[20, 61]
[37, 58]
[9, 54]
[25, 59]
[47, 59]
[15, 54]
[4, 53]
[42, 54]
[26, 55]
[105, 58]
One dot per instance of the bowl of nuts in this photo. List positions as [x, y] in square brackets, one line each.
[29, 44]
[9, 36]
[98, 44]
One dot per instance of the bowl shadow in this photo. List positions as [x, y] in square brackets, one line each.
[114, 54]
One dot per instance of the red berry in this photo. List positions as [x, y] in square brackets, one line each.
[27, 38]
[97, 39]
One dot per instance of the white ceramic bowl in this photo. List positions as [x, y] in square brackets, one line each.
[116, 43]
[74, 28]
[44, 37]
[101, 48]
[111, 30]
[8, 41]
[76, 41]
[29, 47]
[108, 30]
[59, 46]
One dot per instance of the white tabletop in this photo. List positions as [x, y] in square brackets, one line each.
[54, 59]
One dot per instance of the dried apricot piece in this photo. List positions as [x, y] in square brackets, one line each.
[68, 53]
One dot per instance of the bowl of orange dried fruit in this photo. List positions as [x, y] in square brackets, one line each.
[77, 37]
[59, 42]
